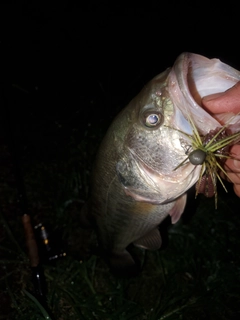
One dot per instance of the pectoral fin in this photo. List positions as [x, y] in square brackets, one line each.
[178, 208]
[151, 241]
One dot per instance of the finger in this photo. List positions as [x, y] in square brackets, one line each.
[231, 177]
[228, 101]
[233, 164]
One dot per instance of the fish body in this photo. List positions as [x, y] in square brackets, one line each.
[134, 182]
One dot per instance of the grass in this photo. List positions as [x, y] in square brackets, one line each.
[195, 275]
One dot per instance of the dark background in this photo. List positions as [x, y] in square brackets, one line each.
[78, 63]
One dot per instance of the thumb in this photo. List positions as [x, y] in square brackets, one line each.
[228, 101]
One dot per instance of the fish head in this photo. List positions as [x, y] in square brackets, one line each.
[155, 143]
[159, 133]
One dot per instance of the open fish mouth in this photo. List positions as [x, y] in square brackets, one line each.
[194, 76]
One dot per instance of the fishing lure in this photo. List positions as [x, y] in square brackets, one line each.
[210, 151]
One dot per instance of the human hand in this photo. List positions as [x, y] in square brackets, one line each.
[228, 101]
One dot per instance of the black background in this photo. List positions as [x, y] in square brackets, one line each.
[79, 63]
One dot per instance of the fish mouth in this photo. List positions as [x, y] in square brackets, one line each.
[167, 187]
[193, 77]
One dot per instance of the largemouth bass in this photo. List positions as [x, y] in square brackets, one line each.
[135, 184]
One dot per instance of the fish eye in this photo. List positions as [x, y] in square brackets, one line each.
[152, 119]
[197, 156]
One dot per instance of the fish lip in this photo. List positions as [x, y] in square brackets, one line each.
[150, 172]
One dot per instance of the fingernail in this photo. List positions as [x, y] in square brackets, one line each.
[213, 96]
